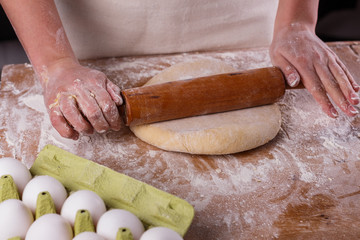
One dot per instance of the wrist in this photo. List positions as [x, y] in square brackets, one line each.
[47, 71]
[295, 26]
[296, 15]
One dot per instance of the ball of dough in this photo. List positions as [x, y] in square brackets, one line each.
[220, 133]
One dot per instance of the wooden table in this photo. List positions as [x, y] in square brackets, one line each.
[305, 184]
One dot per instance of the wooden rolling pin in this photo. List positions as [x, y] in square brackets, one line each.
[204, 95]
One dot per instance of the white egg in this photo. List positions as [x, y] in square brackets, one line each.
[50, 226]
[160, 233]
[15, 219]
[17, 170]
[112, 220]
[83, 199]
[88, 236]
[40, 184]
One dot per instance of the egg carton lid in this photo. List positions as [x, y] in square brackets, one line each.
[151, 205]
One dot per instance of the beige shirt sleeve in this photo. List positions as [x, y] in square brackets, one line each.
[120, 28]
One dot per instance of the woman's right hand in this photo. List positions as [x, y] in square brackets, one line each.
[80, 99]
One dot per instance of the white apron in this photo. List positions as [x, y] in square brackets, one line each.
[107, 28]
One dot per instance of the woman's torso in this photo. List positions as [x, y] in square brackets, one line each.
[118, 28]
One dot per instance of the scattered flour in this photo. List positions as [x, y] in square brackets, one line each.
[232, 193]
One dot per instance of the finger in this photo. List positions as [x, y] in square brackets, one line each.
[291, 75]
[114, 92]
[108, 107]
[344, 83]
[90, 109]
[72, 114]
[313, 84]
[333, 89]
[60, 124]
[349, 75]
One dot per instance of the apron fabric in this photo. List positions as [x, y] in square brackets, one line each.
[111, 28]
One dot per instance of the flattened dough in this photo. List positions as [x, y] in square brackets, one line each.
[220, 133]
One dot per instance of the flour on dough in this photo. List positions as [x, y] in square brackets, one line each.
[220, 133]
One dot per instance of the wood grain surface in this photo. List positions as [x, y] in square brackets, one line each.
[304, 184]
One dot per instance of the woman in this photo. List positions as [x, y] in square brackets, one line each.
[79, 99]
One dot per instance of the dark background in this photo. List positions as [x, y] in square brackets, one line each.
[338, 21]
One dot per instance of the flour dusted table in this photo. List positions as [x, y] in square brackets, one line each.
[304, 184]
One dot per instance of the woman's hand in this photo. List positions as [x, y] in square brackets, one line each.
[79, 99]
[301, 55]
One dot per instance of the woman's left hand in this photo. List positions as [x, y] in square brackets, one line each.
[302, 56]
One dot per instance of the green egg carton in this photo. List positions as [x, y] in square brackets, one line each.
[151, 205]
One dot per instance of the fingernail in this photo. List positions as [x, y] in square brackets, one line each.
[356, 87]
[334, 113]
[354, 96]
[353, 110]
[119, 100]
[75, 137]
[293, 79]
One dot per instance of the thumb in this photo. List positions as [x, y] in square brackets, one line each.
[291, 74]
[114, 92]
